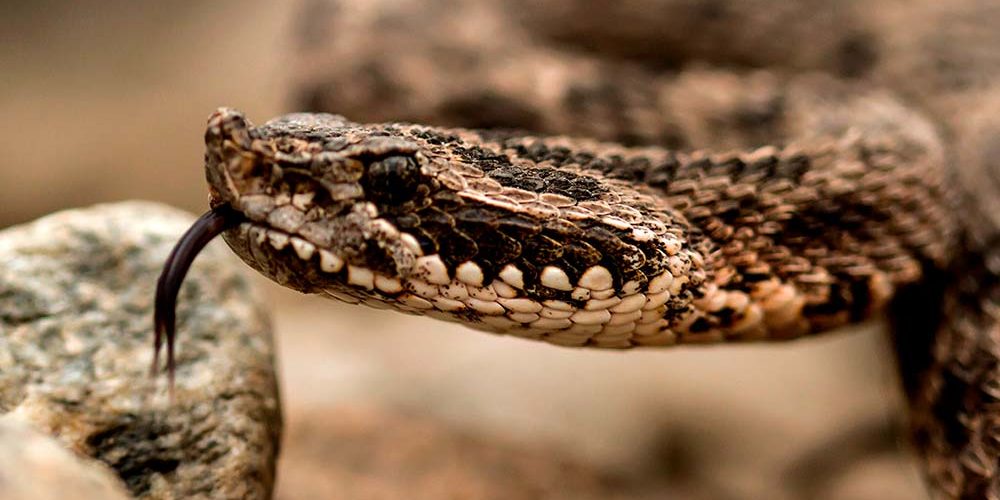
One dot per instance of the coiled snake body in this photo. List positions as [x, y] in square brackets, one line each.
[776, 206]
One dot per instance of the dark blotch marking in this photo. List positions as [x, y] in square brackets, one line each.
[434, 137]
[433, 217]
[393, 179]
[563, 229]
[861, 296]
[581, 254]
[700, 325]
[662, 174]
[545, 250]
[376, 258]
[458, 248]
[519, 225]
[538, 180]
[838, 300]
[476, 219]
[484, 159]
[427, 240]
[792, 168]
[498, 248]
[954, 395]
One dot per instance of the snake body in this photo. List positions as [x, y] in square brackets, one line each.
[586, 243]
[704, 204]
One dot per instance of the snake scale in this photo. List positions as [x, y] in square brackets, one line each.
[645, 173]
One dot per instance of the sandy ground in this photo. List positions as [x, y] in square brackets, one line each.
[107, 100]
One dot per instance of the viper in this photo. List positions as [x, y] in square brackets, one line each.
[596, 199]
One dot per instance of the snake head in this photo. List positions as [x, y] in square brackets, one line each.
[454, 224]
[318, 186]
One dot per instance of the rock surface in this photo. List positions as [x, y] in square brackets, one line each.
[76, 299]
[34, 466]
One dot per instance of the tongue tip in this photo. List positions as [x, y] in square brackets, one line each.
[204, 230]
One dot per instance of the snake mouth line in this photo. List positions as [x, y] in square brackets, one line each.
[205, 229]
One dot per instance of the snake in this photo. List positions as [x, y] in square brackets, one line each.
[645, 173]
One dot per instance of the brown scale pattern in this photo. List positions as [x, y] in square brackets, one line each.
[823, 221]
[771, 243]
[956, 404]
[452, 208]
[840, 217]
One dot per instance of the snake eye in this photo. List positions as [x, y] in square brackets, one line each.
[393, 179]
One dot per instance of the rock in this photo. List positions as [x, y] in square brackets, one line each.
[34, 466]
[76, 299]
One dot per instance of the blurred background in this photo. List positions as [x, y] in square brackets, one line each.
[106, 100]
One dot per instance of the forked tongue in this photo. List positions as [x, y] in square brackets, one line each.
[206, 228]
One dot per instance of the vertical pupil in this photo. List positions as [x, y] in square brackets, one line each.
[394, 178]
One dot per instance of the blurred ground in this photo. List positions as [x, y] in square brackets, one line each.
[728, 422]
[107, 101]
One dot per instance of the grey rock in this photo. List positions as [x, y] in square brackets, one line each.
[34, 466]
[76, 299]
